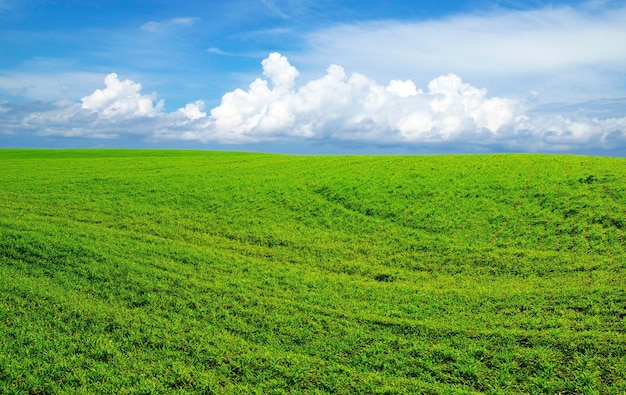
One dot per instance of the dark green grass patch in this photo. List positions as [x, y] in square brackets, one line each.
[138, 271]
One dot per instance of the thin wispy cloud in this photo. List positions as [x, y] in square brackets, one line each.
[158, 27]
[286, 8]
[51, 86]
[265, 33]
[549, 50]
[217, 51]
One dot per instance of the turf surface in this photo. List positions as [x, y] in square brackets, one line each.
[139, 271]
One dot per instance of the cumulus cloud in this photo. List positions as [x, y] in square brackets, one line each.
[119, 109]
[193, 110]
[356, 107]
[342, 107]
[121, 99]
[339, 107]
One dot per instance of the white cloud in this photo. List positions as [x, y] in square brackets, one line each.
[193, 110]
[564, 53]
[118, 109]
[121, 99]
[335, 107]
[48, 86]
[282, 74]
[217, 51]
[286, 8]
[356, 108]
[156, 27]
[264, 33]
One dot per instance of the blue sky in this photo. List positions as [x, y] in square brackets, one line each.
[315, 76]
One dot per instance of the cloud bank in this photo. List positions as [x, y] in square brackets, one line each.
[335, 107]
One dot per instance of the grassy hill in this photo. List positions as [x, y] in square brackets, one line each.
[132, 271]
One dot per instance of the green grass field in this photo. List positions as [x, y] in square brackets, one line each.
[139, 272]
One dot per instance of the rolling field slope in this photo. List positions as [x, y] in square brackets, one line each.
[138, 271]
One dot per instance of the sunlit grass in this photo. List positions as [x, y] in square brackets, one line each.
[130, 271]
